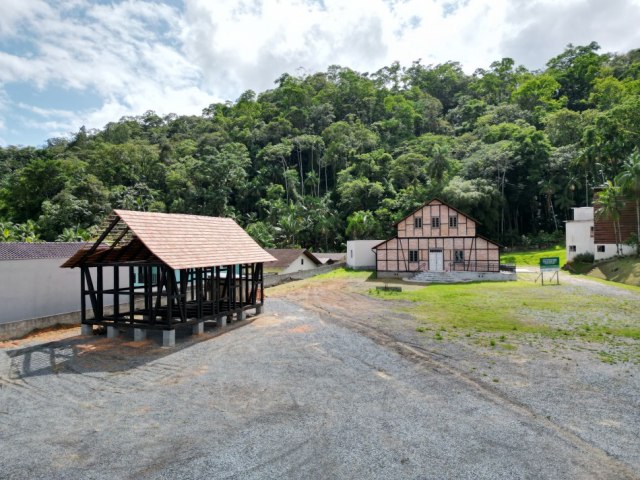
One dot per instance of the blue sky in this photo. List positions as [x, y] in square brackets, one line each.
[68, 63]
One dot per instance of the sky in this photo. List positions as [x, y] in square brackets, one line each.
[69, 63]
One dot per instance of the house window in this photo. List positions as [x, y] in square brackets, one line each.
[572, 248]
[435, 222]
[417, 222]
[302, 261]
[453, 221]
[413, 256]
[458, 256]
[591, 232]
[351, 253]
[600, 248]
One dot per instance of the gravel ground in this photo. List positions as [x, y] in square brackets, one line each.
[561, 382]
[294, 394]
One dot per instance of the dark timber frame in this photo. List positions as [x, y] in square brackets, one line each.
[168, 300]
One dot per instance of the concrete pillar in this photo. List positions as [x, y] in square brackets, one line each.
[86, 329]
[168, 338]
[258, 309]
[198, 328]
[139, 334]
[222, 321]
[242, 315]
[112, 332]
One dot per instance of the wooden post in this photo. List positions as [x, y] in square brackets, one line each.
[132, 301]
[100, 312]
[116, 293]
[83, 300]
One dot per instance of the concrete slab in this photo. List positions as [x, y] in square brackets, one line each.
[168, 338]
[112, 332]
[139, 334]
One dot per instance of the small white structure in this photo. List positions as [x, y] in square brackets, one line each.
[291, 260]
[579, 233]
[360, 254]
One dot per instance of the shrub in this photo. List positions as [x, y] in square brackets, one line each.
[584, 258]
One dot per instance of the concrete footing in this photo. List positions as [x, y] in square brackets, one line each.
[259, 310]
[168, 338]
[112, 332]
[242, 315]
[139, 334]
[222, 321]
[198, 328]
[86, 329]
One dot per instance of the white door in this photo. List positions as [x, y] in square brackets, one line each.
[436, 260]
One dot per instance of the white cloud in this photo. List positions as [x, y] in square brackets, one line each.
[137, 55]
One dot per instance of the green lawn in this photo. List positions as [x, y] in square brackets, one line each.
[532, 257]
[499, 314]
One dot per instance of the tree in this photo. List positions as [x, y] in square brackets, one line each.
[629, 180]
[610, 206]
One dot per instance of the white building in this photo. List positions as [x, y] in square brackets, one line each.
[360, 255]
[579, 233]
[584, 236]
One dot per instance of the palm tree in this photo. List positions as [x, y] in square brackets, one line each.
[610, 205]
[629, 180]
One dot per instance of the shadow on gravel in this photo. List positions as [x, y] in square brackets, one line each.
[84, 355]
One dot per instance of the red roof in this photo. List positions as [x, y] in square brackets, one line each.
[183, 241]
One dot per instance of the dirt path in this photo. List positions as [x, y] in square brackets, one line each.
[343, 302]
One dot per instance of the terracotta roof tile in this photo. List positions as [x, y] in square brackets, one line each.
[192, 241]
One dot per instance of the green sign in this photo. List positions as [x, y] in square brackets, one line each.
[550, 263]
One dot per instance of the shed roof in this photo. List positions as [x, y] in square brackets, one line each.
[286, 256]
[178, 240]
[39, 251]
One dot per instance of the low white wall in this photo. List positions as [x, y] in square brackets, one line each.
[610, 251]
[40, 288]
[360, 255]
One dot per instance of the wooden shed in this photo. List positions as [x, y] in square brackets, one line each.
[169, 271]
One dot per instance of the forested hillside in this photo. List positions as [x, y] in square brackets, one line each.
[341, 154]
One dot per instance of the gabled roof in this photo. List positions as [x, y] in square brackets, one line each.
[38, 251]
[330, 257]
[286, 256]
[177, 240]
[435, 199]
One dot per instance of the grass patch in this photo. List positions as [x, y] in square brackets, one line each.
[513, 309]
[345, 273]
[532, 258]
[622, 270]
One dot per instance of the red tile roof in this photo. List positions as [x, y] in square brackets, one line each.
[37, 251]
[190, 241]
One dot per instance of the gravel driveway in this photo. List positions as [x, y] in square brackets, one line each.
[289, 395]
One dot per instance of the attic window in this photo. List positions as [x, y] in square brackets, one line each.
[417, 222]
[302, 261]
[435, 222]
[453, 221]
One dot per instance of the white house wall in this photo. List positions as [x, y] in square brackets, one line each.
[40, 288]
[360, 255]
[300, 264]
[579, 234]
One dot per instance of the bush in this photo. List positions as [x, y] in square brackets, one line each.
[584, 258]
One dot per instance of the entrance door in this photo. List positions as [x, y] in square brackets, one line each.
[436, 260]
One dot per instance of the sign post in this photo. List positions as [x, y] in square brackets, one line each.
[550, 264]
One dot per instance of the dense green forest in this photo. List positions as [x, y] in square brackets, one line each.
[329, 156]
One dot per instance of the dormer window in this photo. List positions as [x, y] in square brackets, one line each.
[435, 222]
[417, 222]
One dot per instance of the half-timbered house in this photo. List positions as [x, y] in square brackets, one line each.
[438, 238]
